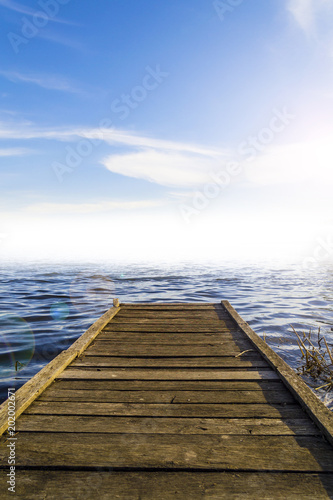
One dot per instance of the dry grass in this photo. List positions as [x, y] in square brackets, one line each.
[317, 358]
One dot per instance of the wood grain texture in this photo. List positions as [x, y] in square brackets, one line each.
[226, 334]
[168, 327]
[169, 306]
[158, 321]
[160, 317]
[179, 362]
[147, 315]
[166, 410]
[226, 452]
[153, 396]
[164, 374]
[169, 338]
[169, 385]
[171, 350]
[166, 485]
[167, 425]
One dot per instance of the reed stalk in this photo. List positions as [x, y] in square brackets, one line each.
[317, 360]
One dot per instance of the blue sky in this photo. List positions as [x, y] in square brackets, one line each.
[178, 129]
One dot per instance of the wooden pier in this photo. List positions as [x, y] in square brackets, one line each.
[169, 401]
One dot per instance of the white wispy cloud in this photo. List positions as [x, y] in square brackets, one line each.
[23, 9]
[308, 13]
[9, 112]
[180, 165]
[17, 7]
[53, 17]
[50, 82]
[303, 12]
[136, 140]
[15, 151]
[168, 168]
[168, 163]
[27, 130]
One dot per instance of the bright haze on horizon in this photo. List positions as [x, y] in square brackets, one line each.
[186, 129]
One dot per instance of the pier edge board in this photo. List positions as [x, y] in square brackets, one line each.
[26, 394]
[316, 410]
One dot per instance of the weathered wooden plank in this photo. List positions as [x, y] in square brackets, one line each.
[176, 306]
[29, 391]
[196, 307]
[163, 374]
[168, 385]
[171, 486]
[191, 316]
[173, 320]
[185, 311]
[194, 322]
[223, 335]
[170, 425]
[122, 349]
[167, 328]
[314, 407]
[55, 394]
[166, 410]
[187, 362]
[172, 338]
[227, 452]
[133, 349]
[41, 485]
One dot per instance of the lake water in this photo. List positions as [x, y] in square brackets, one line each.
[44, 307]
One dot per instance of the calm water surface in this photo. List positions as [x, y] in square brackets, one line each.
[45, 307]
